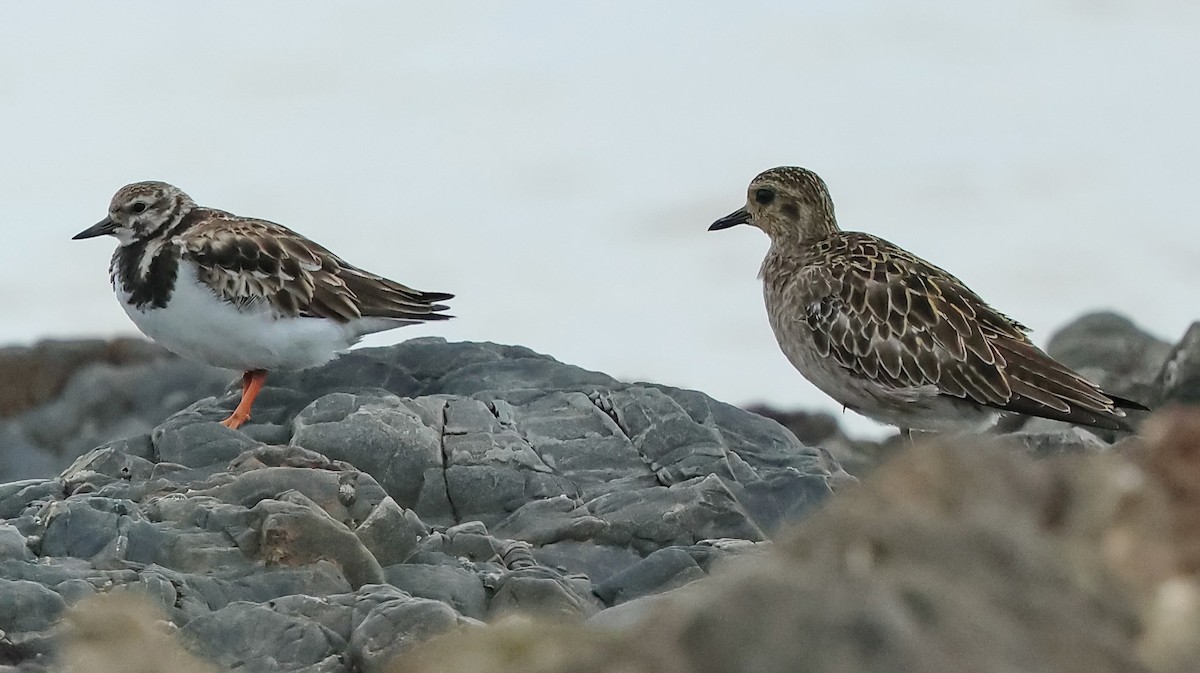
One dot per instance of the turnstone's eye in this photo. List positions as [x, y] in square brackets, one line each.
[137, 207]
[764, 196]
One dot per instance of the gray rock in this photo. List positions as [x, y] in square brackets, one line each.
[458, 587]
[663, 570]
[190, 440]
[296, 532]
[858, 457]
[331, 612]
[100, 403]
[365, 430]
[391, 495]
[543, 592]
[346, 494]
[111, 461]
[672, 567]
[27, 606]
[551, 520]
[683, 513]
[13, 544]
[597, 561]
[391, 533]
[18, 496]
[1179, 380]
[387, 621]
[82, 527]
[22, 458]
[37, 374]
[252, 637]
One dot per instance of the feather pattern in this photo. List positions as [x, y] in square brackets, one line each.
[243, 293]
[246, 260]
[892, 336]
[894, 319]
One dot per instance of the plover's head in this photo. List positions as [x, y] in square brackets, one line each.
[140, 211]
[787, 203]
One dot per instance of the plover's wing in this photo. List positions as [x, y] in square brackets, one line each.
[247, 260]
[899, 321]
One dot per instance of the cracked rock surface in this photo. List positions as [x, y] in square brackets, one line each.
[392, 495]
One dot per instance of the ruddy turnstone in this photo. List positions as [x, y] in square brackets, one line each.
[242, 293]
[893, 337]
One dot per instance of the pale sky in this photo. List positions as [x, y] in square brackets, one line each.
[556, 164]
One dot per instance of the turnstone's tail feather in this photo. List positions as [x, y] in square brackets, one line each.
[379, 297]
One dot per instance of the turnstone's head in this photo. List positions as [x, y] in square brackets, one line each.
[787, 203]
[140, 211]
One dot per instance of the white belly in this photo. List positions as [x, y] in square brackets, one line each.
[197, 324]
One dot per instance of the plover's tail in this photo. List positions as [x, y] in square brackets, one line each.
[1042, 386]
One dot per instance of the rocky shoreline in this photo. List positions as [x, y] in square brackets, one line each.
[430, 488]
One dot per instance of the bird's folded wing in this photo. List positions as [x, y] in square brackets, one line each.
[899, 321]
[244, 261]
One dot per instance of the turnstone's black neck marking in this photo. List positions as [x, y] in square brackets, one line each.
[148, 268]
[153, 288]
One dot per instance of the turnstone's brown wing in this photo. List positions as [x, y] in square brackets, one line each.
[245, 260]
[895, 319]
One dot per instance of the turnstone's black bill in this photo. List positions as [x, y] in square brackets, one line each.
[101, 228]
[893, 337]
[242, 293]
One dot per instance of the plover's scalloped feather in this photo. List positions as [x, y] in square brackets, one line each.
[245, 260]
[892, 318]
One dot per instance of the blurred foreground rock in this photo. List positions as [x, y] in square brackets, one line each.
[953, 556]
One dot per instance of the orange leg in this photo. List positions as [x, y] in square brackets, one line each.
[252, 382]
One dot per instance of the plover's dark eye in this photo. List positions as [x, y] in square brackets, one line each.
[764, 196]
[137, 207]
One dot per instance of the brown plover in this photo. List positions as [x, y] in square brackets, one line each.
[893, 337]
